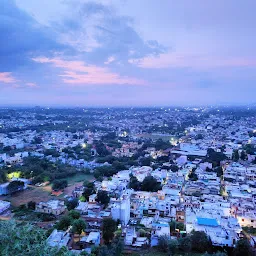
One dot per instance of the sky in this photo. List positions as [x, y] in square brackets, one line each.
[127, 52]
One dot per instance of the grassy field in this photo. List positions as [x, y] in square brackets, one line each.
[76, 181]
[156, 137]
[38, 194]
[79, 177]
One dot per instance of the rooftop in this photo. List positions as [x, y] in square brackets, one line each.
[207, 222]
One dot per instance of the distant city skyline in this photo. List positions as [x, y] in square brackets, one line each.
[127, 53]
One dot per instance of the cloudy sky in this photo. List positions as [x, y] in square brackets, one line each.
[127, 52]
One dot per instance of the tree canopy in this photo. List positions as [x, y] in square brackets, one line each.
[150, 184]
[200, 241]
[108, 229]
[243, 248]
[15, 186]
[89, 189]
[103, 197]
[26, 240]
[78, 226]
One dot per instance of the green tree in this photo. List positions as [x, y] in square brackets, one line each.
[37, 140]
[243, 248]
[219, 171]
[117, 247]
[185, 244]
[163, 242]
[74, 214]
[150, 184]
[64, 223]
[199, 136]
[243, 155]
[52, 152]
[134, 183]
[200, 241]
[88, 190]
[145, 161]
[161, 144]
[31, 205]
[172, 225]
[250, 149]
[103, 251]
[78, 227]
[174, 168]
[107, 171]
[142, 232]
[176, 225]
[173, 246]
[59, 184]
[25, 240]
[103, 197]
[101, 149]
[118, 166]
[7, 149]
[15, 186]
[71, 204]
[108, 229]
[215, 157]
[193, 176]
[235, 156]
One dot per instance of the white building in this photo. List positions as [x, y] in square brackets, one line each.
[93, 238]
[58, 238]
[82, 207]
[120, 209]
[159, 228]
[55, 207]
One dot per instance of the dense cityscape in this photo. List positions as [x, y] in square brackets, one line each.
[127, 128]
[128, 181]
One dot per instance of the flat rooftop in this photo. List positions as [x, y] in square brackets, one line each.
[207, 222]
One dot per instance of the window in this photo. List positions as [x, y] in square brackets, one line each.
[242, 219]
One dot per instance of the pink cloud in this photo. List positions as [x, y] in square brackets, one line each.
[174, 60]
[6, 77]
[77, 72]
[33, 85]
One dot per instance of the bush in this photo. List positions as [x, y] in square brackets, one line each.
[71, 204]
[59, 184]
[45, 216]
[15, 186]
[74, 214]
[185, 244]
[150, 184]
[163, 242]
[173, 246]
[64, 223]
[102, 197]
[200, 241]
[142, 232]
[31, 205]
[243, 248]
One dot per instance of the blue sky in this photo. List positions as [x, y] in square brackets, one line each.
[127, 52]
